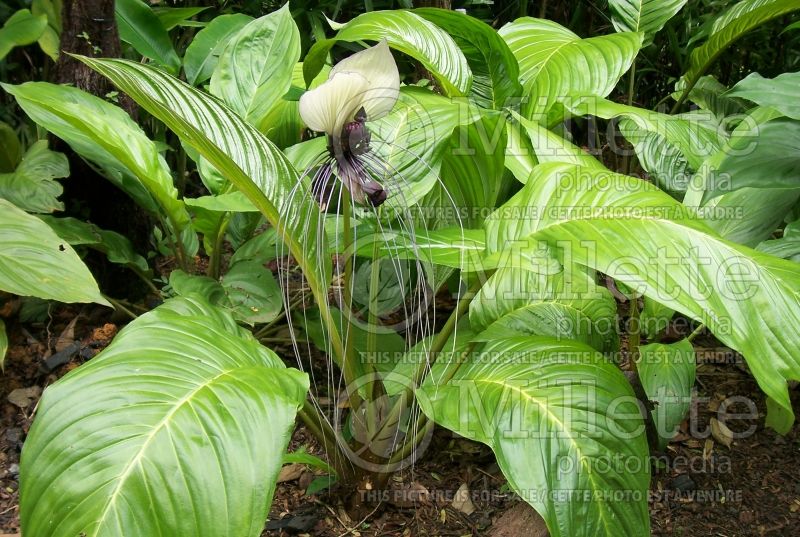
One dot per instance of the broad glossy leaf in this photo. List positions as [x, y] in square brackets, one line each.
[409, 34]
[471, 174]
[141, 28]
[255, 69]
[184, 433]
[233, 201]
[550, 147]
[495, 73]
[667, 373]
[769, 159]
[645, 239]
[709, 94]
[654, 317]
[21, 29]
[555, 413]
[568, 305]
[788, 246]
[105, 134]
[203, 52]
[248, 159]
[781, 92]
[32, 187]
[116, 247]
[647, 16]
[731, 26]
[34, 261]
[555, 62]
[697, 136]
[662, 160]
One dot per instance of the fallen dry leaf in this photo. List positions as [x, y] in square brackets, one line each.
[290, 472]
[721, 433]
[462, 501]
[23, 397]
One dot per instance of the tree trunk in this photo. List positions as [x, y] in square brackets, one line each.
[90, 29]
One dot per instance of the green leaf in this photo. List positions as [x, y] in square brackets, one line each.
[50, 41]
[3, 345]
[21, 29]
[235, 202]
[106, 134]
[729, 28]
[34, 261]
[654, 317]
[182, 394]
[459, 248]
[302, 456]
[408, 33]
[32, 187]
[568, 305]
[788, 246]
[550, 147]
[248, 291]
[554, 62]
[781, 92]
[10, 149]
[116, 247]
[142, 29]
[170, 17]
[667, 372]
[389, 345]
[647, 16]
[709, 94]
[555, 413]
[244, 155]
[255, 69]
[495, 73]
[697, 136]
[203, 52]
[769, 159]
[655, 245]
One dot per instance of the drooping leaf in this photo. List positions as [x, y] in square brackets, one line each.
[106, 135]
[184, 433]
[781, 92]
[768, 159]
[729, 28]
[709, 94]
[552, 411]
[255, 69]
[141, 28]
[667, 373]
[248, 159]
[203, 52]
[647, 16]
[495, 73]
[116, 247]
[409, 34]
[550, 147]
[50, 41]
[696, 136]
[32, 186]
[34, 261]
[22, 28]
[645, 239]
[787, 247]
[568, 305]
[554, 62]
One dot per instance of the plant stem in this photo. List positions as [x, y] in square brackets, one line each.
[120, 307]
[322, 431]
[349, 368]
[216, 255]
[634, 333]
[697, 331]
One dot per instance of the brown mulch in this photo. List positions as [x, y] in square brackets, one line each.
[700, 487]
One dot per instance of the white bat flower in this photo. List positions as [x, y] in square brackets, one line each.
[367, 80]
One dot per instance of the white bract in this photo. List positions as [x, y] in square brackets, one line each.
[368, 79]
